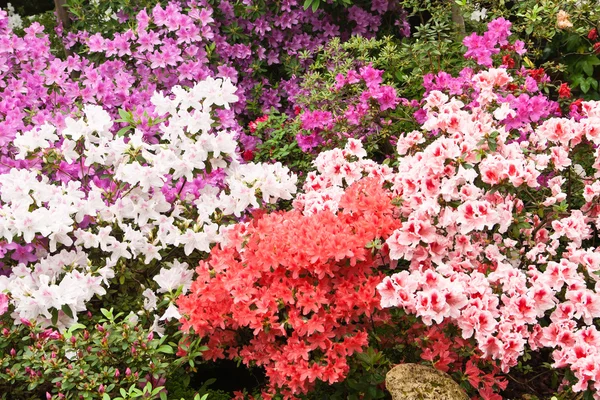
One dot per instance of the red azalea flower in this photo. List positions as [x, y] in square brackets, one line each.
[576, 105]
[597, 48]
[252, 126]
[537, 74]
[512, 86]
[508, 61]
[593, 34]
[248, 155]
[564, 92]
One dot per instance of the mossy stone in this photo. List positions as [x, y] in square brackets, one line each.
[420, 382]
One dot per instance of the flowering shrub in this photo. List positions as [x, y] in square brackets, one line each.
[293, 292]
[496, 214]
[561, 36]
[116, 195]
[491, 240]
[85, 210]
[91, 360]
[467, 242]
[259, 47]
[363, 108]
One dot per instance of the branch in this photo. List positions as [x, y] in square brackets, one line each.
[61, 13]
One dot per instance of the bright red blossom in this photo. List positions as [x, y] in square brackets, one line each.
[296, 284]
[564, 92]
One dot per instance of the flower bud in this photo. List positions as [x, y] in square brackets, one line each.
[127, 372]
[13, 352]
[117, 373]
[48, 396]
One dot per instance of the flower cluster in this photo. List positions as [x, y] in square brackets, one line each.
[230, 40]
[91, 201]
[482, 47]
[521, 100]
[488, 246]
[366, 98]
[293, 292]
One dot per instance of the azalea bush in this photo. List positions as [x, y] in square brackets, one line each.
[355, 105]
[355, 89]
[261, 47]
[495, 200]
[102, 355]
[562, 37]
[497, 247]
[88, 213]
[152, 230]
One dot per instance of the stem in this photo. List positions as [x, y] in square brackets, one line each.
[458, 20]
[63, 19]
[182, 185]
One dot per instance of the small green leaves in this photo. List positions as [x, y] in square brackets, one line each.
[125, 116]
[108, 314]
[166, 349]
[67, 310]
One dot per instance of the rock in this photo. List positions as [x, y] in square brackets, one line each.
[420, 382]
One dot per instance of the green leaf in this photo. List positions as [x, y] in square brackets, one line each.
[122, 131]
[156, 390]
[165, 349]
[125, 116]
[54, 316]
[315, 5]
[307, 4]
[106, 313]
[67, 310]
[584, 86]
[105, 396]
[76, 326]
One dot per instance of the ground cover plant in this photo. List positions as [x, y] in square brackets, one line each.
[306, 193]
